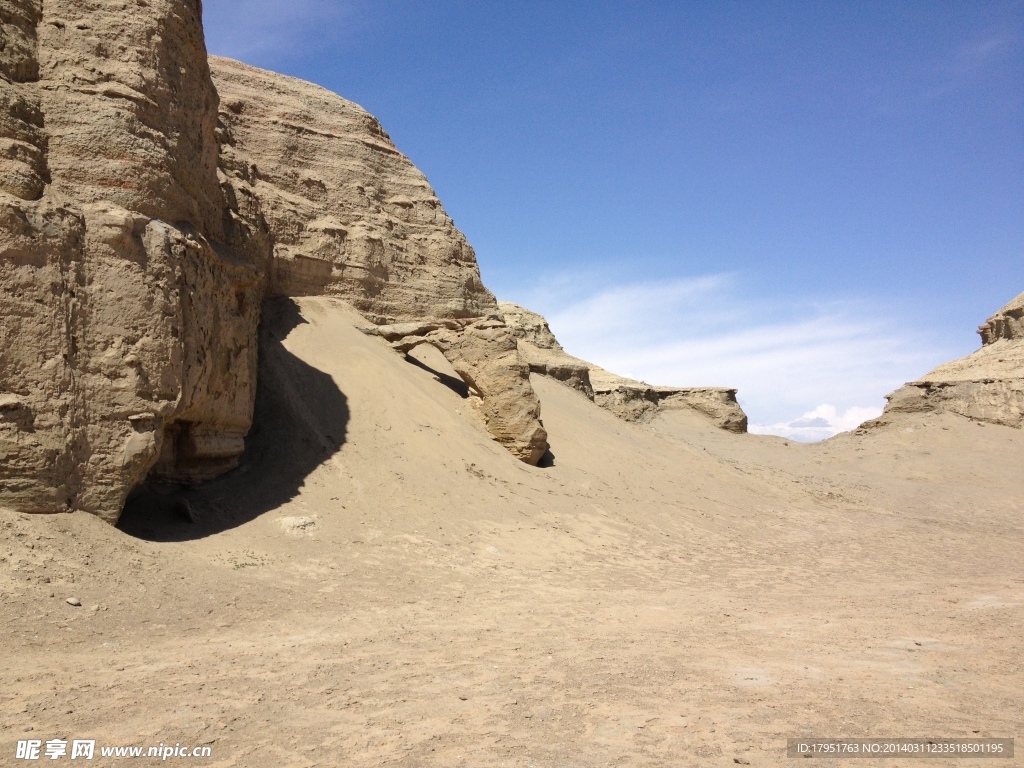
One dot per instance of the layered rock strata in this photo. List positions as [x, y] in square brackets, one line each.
[627, 398]
[353, 218]
[129, 287]
[987, 385]
[135, 254]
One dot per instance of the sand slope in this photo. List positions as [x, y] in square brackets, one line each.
[382, 584]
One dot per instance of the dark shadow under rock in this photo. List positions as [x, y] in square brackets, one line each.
[300, 421]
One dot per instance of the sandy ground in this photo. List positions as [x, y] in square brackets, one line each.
[381, 584]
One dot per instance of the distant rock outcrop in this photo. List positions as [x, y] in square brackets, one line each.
[627, 398]
[1005, 325]
[135, 255]
[987, 385]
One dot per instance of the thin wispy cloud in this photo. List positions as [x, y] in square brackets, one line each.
[804, 369]
[252, 30]
[974, 60]
[979, 53]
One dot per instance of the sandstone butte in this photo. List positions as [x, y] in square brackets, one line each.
[987, 385]
[152, 201]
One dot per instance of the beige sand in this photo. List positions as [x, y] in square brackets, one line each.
[383, 584]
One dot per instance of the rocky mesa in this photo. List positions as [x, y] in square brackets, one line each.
[987, 385]
[627, 398]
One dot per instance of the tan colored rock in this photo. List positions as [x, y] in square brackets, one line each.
[987, 385]
[351, 216]
[1006, 324]
[541, 350]
[130, 109]
[42, 434]
[486, 357]
[23, 171]
[529, 327]
[717, 403]
[627, 398]
[639, 401]
[134, 251]
[131, 274]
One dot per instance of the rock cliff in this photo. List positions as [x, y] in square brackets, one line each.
[987, 385]
[135, 254]
[353, 218]
[131, 289]
[627, 398]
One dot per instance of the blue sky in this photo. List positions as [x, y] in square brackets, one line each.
[811, 201]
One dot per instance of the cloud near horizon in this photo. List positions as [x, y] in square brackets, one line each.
[821, 423]
[804, 369]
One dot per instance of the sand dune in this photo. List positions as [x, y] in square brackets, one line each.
[381, 583]
[336, 549]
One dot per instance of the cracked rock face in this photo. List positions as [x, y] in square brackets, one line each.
[135, 254]
[987, 385]
[130, 275]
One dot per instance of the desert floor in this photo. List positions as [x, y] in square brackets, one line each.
[381, 584]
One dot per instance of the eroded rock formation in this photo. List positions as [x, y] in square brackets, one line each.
[1005, 325]
[486, 356]
[987, 385]
[541, 350]
[135, 255]
[130, 288]
[627, 398]
[352, 217]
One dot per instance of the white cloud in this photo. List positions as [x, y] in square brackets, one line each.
[823, 422]
[253, 29]
[786, 357]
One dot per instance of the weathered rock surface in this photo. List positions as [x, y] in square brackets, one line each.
[987, 385]
[353, 218]
[717, 403]
[135, 255]
[1006, 324]
[130, 288]
[627, 398]
[485, 355]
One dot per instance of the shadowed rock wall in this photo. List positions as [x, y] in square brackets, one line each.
[130, 288]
